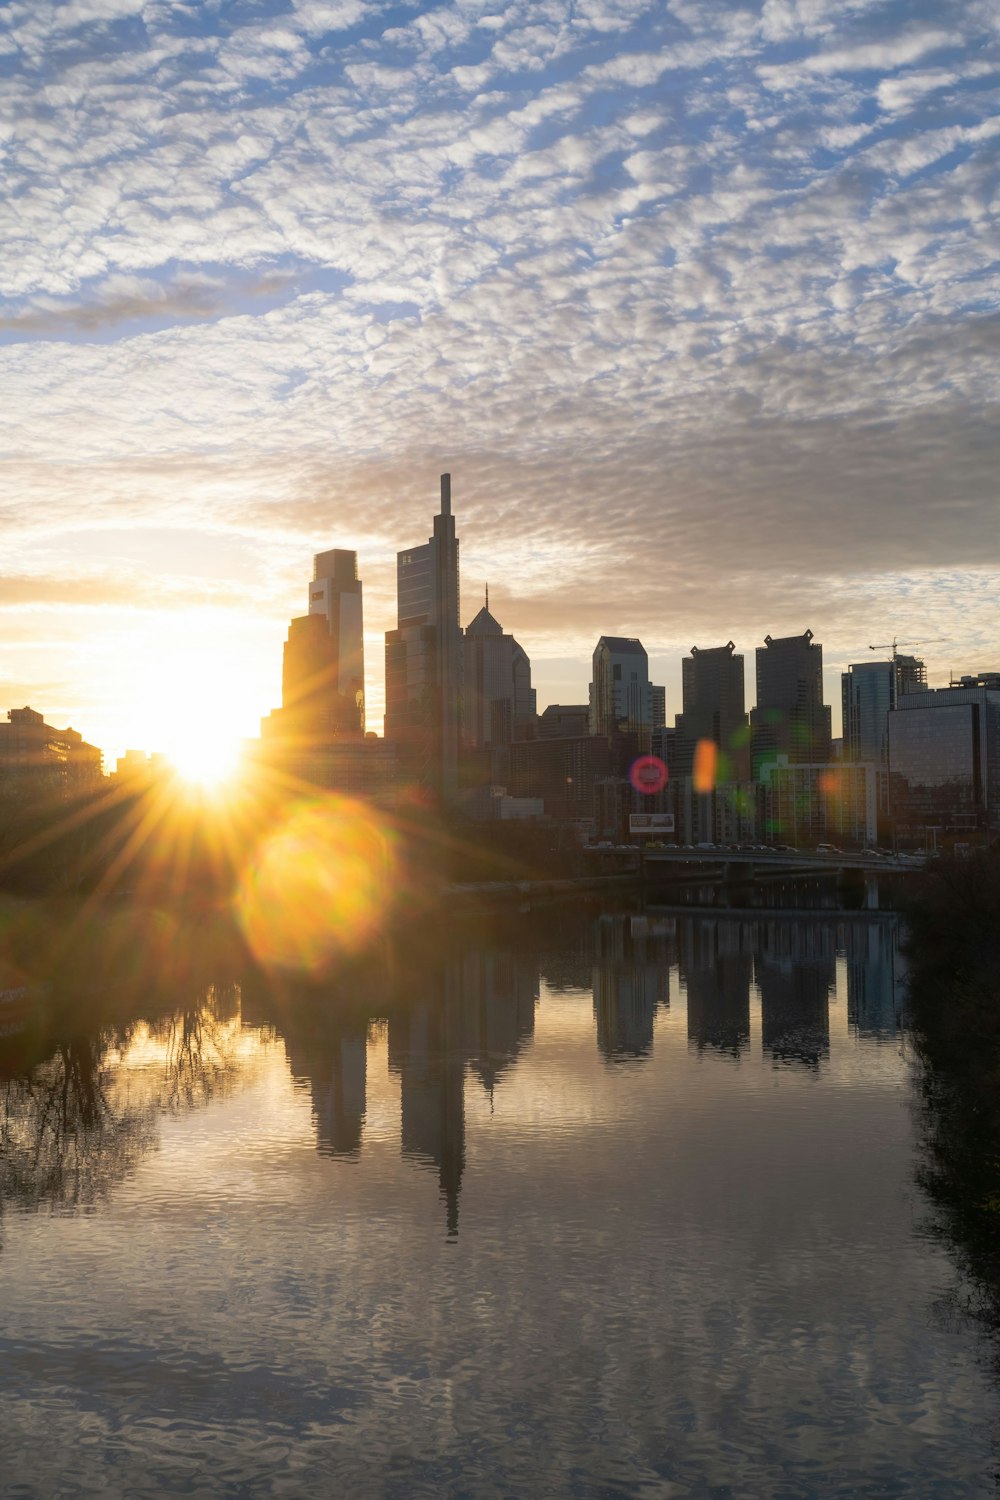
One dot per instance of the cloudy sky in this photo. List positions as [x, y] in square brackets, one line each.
[697, 303]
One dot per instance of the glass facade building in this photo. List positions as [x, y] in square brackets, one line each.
[714, 709]
[424, 659]
[790, 717]
[944, 762]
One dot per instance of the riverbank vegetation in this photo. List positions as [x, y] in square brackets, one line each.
[954, 997]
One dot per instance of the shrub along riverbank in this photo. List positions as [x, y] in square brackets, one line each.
[954, 997]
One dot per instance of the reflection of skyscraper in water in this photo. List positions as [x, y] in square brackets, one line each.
[336, 1072]
[715, 958]
[631, 979]
[424, 1049]
[498, 996]
[796, 972]
[482, 1015]
[871, 977]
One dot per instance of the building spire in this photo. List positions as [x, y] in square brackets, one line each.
[487, 598]
[446, 494]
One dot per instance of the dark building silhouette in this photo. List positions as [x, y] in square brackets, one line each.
[563, 772]
[37, 760]
[317, 736]
[561, 721]
[790, 717]
[714, 709]
[424, 660]
[498, 701]
[715, 960]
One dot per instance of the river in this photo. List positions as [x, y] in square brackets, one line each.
[577, 1203]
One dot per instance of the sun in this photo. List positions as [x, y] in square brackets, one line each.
[208, 762]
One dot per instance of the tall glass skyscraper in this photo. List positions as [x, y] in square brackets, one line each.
[714, 709]
[323, 670]
[790, 717]
[620, 691]
[423, 659]
[868, 693]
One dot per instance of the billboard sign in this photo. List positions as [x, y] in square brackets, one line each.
[651, 823]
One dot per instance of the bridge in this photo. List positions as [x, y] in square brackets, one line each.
[736, 862]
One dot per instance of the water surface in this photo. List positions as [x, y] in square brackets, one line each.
[596, 1205]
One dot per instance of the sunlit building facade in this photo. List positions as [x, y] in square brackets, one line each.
[335, 595]
[620, 699]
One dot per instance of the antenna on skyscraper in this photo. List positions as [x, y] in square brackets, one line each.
[487, 598]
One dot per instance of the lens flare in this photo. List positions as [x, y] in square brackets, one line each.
[648, 775]
[318, 887]
[706, 756]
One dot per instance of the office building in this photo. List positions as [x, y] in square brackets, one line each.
[424, 660]
[620, 690]
[38, 761]
[498, 701]
[562, 720]
[322, 669]
[335, 595]
[563, 771]
[944, 762]
[658, 706]
[868, 694]
[714, 709]
[805, 805]
[790, 717]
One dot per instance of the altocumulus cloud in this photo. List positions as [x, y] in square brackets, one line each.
[697, 303]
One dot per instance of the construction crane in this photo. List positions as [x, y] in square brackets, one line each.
[938, 640]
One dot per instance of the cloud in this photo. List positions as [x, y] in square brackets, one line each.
[690, 300]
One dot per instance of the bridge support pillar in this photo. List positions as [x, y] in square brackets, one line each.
[871, 893]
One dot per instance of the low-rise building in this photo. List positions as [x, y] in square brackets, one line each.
[37, 760]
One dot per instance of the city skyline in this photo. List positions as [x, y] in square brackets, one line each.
[697, 304]
[832, 676]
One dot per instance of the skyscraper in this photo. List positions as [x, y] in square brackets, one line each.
[868, 692]
[323, 673]
[619, 693]
[498, 701]
[790, 718]
[335, 593]
[714, 709]
[423, 659]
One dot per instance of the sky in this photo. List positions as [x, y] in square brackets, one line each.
[697, 303]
